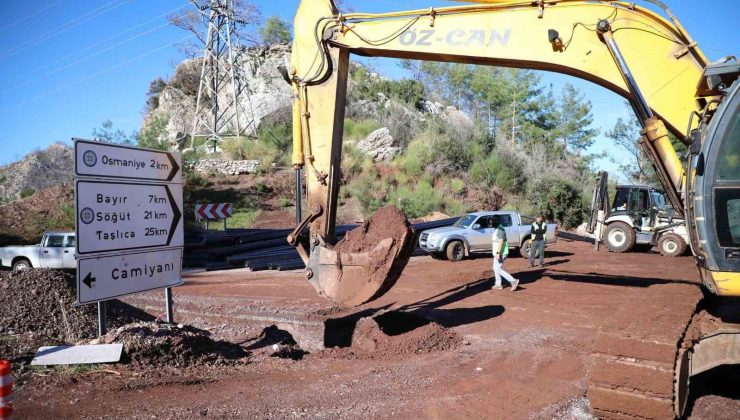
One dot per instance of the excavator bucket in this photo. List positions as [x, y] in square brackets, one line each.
[366, 263]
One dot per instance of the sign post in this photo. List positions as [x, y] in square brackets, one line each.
[129, 225]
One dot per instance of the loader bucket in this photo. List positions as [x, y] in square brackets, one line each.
[367, 263]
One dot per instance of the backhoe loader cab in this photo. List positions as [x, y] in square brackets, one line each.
[642, 203]
[639, 215]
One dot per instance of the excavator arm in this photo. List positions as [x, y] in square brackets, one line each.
[629, 50]
[638, 54]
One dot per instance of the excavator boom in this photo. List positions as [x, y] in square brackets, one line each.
[633, 51]
[630, 50]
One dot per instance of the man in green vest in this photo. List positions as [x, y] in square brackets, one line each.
[537, 238]
[500, 252]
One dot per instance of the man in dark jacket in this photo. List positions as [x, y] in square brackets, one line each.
[538, 237]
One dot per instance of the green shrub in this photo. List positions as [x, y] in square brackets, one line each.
[194, 179]
[154, 135]
[454, 207]
[285, 202]
[457, 186]
[419, 200]
[234, 148]
[353, 160]
[558, 199]
[272, 146]
[450, 155]
[368, 87]
[27, 192]
[358, 130]
[417, 156]
[280, 136]
[265, 152]
[261, 187]
[369, 189]
[240, 219]
[499, 172]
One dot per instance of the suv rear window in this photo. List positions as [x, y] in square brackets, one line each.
[71, 241]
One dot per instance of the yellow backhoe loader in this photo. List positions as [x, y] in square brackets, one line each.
[643, 55]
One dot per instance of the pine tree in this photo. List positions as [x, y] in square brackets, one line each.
[574, 120]
[275, 31]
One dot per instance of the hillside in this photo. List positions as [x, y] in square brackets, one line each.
[455, 138]
[24, 221]
[37, 171]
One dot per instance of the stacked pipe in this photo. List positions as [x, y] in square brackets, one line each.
[260, 249]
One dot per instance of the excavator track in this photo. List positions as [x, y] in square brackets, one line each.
[635, 353]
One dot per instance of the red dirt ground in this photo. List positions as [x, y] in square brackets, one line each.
[522, 355]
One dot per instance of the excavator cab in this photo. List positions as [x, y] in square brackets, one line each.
[714, 200]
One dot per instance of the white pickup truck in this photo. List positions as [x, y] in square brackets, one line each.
[471, 234]
[56, 250]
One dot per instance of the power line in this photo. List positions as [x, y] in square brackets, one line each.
[17, 21]
[85, 58]
[222, 85]
[65, 27]
[96, 74]
[103, 41]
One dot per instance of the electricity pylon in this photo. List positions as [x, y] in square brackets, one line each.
[218, 109]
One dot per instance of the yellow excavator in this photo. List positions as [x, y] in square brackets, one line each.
[643, 54]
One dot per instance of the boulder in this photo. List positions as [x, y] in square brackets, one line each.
[379, 145]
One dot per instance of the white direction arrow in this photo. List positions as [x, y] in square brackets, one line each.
[116, 216]
[94, 159]
[108, 277]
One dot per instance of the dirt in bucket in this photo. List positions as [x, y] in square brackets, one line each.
[387, 222]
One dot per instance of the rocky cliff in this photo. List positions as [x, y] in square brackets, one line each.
[37, 171]
[266, 91]
[268, 97]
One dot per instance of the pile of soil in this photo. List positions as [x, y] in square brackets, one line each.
[19, 350]
[24, 221]
[387, 222]
[154, 344]
[42, 302]
[396, 334]
[38, 310]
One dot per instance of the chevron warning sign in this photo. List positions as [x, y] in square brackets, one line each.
[216, 211]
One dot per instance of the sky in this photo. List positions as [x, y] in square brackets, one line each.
[68, 65]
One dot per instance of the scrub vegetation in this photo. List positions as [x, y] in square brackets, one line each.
[523, 143]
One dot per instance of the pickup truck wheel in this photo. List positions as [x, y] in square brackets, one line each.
[620, 237]
[22, 265]
[671, 245]
[524, 249]
[455, 251]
